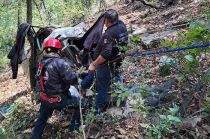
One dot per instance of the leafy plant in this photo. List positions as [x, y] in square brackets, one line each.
[189, 60]
[136, 39]
[3, 133]
[19, 117]
[207, 105]
[165, 124]
[165, 70]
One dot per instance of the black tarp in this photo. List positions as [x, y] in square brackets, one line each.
[92, 36]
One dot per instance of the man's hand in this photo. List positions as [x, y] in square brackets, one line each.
[99, 60]
[91, 68]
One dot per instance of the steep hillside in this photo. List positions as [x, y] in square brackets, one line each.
[178, 98]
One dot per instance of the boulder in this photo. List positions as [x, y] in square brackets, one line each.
[158, 93]
[149, 41]
[167, 60]
[139, 31]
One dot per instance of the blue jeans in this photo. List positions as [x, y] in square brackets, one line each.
[46, 110]
[103, 81]
[88, 81]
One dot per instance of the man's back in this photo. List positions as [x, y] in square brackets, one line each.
[114, 37]
[58, 76]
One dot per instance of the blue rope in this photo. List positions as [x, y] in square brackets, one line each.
[168, 51]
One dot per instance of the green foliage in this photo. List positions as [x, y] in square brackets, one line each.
[136, 39]
[165, 70]
[90, 117]
[3, 61]
[165, 124]
[49, 12]
[64, 13]
[207, 104]
[18, 117]
[120, 92]
[3, 133]
[8, 26]
[197, 33]
[125, 48]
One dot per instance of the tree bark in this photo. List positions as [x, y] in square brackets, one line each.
[29, 11]
[20, 13]
[39, 9]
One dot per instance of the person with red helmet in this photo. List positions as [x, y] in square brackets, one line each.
[55, 77]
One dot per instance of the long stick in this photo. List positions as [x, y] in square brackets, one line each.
[81, 117]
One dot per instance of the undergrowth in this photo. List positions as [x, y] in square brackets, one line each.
[191, 68]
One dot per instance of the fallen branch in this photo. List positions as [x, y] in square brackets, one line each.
[195, 113]
[150, 4]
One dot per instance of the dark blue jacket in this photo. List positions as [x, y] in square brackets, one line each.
[114, 37]
[58, 75]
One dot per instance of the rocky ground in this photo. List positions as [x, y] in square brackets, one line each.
[153, 25]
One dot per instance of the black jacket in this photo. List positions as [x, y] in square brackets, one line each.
[58, 75]
[114, 37]
[17, 55]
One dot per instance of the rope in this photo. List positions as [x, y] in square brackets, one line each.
[146, 53]
[167, 51]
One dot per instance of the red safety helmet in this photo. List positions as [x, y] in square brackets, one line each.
[53, 43]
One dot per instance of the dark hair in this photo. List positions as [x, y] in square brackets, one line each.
[111, 15]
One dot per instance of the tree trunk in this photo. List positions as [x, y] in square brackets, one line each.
[20, 13]
[29, 11]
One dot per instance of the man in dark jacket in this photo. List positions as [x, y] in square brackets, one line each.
[55, 77]
[108, 48]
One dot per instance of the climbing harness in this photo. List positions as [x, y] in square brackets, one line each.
[40, 76]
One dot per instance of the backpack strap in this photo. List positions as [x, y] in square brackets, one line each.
[40, 72]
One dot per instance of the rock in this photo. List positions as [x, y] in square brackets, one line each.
[207, 128]
[115, 111]
[113, 137]
[157, 93]
[153, 101]
[126, 137]
[139, 31]
[197, 1]
[165, 65]
[165, 3]
[121, 131]
[121, 136]
[191, 122]
[153, 98]
[153, 40]
[167, 60]
[164, 88]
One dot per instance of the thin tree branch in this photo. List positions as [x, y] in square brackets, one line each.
[38, 10]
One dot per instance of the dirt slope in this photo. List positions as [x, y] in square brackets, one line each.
[136, 16]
